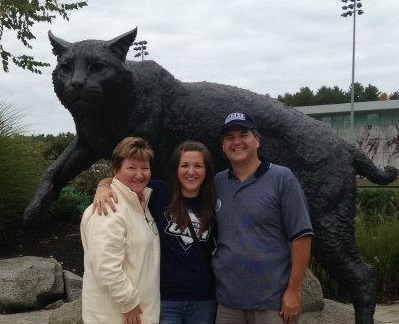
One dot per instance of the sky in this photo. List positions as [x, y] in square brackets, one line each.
[269, 47]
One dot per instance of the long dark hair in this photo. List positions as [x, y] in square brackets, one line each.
[177, 208]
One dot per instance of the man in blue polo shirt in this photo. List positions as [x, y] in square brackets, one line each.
[264, 233]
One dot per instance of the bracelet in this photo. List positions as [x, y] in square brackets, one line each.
[103, 184]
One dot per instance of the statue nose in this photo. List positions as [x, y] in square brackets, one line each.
[79, 76]
[78, 80]
[78, 83]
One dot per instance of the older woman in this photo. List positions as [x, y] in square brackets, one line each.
[121, 251]
[184, 214]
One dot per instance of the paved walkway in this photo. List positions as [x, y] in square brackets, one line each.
[387, 314]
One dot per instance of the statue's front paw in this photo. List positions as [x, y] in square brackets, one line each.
[32, 213]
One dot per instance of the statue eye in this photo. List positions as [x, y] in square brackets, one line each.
[97, 67]
[65, 68]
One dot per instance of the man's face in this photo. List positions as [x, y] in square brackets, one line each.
[240, 145]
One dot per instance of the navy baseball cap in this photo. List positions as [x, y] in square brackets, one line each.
[238, 119]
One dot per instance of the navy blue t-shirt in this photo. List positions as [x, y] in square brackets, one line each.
[184, 275]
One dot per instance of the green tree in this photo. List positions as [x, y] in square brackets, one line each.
[19, 16]
[359, 91]
[371, 93]
[394, 96]
[55, 145]
[287, 99]
[326, 95]
[304, 97]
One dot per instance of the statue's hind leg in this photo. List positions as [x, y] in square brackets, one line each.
[334, 247]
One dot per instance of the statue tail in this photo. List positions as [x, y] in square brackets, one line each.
[365, 167]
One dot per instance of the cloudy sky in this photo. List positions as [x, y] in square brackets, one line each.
[271, 47]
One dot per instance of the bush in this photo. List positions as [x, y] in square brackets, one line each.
[69, 207]
[379, 245]
[375, 206]
[74, 198]
[21, 164]
[87, 181]
[377, 232]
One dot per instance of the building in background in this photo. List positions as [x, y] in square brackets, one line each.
[376, 127]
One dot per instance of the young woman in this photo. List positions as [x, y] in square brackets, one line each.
[187, 284]
[121, 251]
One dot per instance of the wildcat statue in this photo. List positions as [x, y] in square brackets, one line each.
[110, 98]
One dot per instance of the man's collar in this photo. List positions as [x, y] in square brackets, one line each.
[262, 169]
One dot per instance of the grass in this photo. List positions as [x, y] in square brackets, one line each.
[20, 168]
[363, 182]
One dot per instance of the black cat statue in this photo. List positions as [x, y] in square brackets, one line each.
[110, 98]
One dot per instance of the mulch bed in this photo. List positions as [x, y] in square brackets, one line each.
[60, 241]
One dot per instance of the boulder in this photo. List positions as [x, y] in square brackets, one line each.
[69, 313]
[29, 283]
[73, 285]
[32, 282]
[312, 294]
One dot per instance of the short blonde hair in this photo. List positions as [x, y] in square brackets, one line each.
[131, 147]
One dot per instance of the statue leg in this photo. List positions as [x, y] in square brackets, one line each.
[334, 247]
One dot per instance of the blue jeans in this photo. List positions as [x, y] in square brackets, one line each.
[188, 312]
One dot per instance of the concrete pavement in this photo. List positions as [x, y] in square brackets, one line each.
[387, 313]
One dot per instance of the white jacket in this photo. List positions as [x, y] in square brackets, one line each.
[121, 261]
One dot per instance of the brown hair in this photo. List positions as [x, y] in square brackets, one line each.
[177, 208]
[131, 147]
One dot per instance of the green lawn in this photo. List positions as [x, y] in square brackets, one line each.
[367, 183]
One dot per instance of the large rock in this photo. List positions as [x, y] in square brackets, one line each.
[312, 294]
[73, 285]
[19, 277]
[29, 283]
[69, 313]
[332, 313]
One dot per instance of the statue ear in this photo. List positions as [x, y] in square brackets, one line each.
[59, 45]
[120, 45]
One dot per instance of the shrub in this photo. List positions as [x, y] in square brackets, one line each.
[69, 206]
[374, 206]
[379, 245]
[87, 181]
[377, 232]
[75, 197]
[20, 167]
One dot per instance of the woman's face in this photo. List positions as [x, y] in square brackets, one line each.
[134, 174]
[191, 173]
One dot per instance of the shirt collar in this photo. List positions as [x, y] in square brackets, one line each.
[262, 169]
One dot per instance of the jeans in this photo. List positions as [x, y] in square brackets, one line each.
[188, 312]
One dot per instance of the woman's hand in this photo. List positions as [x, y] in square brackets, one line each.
[104, 197]
[133, 317]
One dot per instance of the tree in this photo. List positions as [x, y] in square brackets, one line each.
[371, 93]
[383, 96]
[287, 99]
[304, 97]
[394, 96]
[19, 16]
[326, 95]
[359, 90]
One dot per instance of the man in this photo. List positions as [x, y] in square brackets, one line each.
[264, 233]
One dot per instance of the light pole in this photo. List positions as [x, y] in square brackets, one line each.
[351, 10]
[141, 48]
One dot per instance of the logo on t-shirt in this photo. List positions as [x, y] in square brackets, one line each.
[184, 237]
